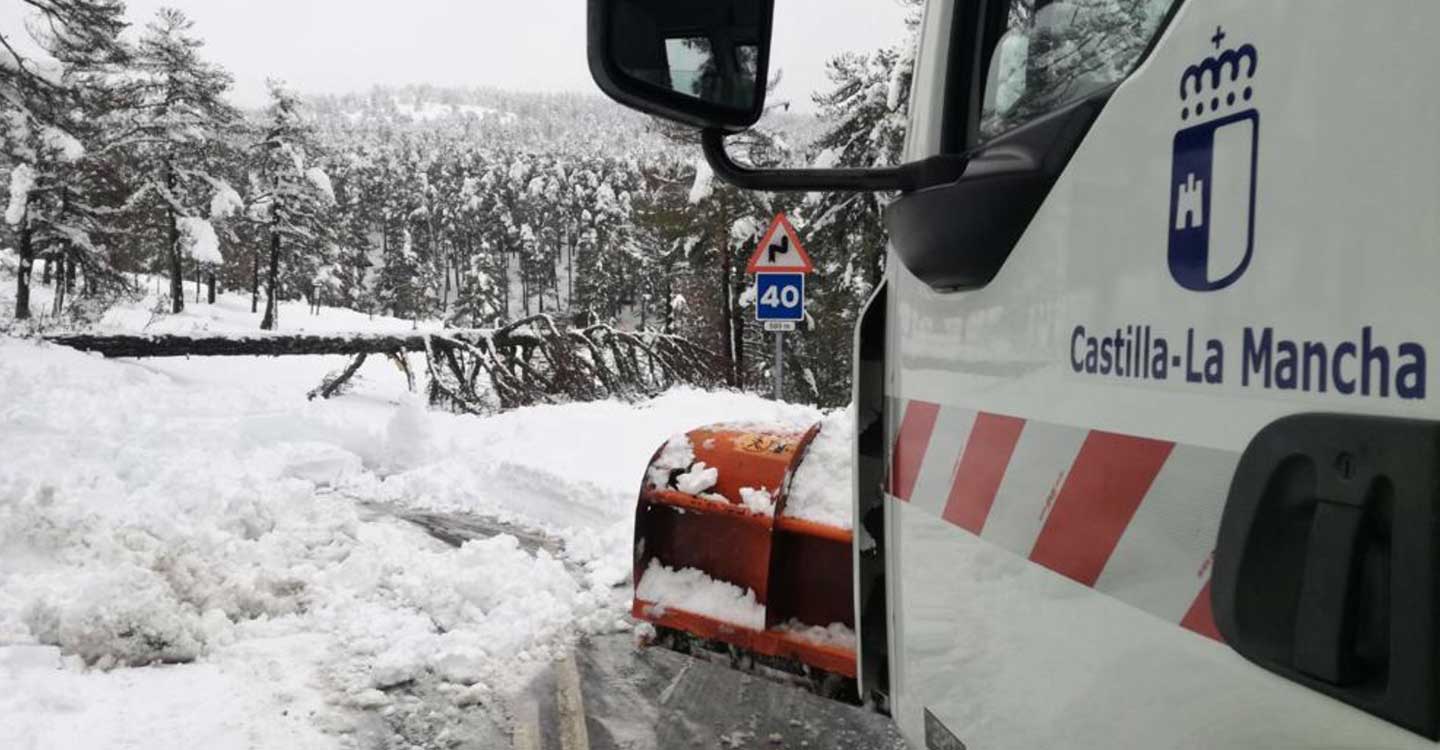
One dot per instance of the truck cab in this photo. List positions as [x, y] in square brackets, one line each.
[1144, 450]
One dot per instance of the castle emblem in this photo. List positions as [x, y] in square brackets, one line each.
[1212, 184]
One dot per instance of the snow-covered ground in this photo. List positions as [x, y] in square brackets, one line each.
[194, 555]
[230, 313]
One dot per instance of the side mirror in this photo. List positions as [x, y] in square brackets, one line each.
[705, 63]
[698, 62]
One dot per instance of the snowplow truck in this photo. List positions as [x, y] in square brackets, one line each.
[1142, 451]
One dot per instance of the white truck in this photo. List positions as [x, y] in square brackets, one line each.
[1144, 439]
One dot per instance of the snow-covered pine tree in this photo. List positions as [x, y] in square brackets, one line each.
[864, 112]
[399, 287]
[479, 296]
[350, 175]
[727, 224]
[663, 224]
[289, 197]
[180, 127]
[604, 266]
[44, 104]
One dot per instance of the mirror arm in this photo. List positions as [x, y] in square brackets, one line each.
[936, 170]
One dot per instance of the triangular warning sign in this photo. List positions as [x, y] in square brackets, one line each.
[780, 250]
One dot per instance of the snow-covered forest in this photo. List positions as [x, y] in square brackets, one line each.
[123, 161]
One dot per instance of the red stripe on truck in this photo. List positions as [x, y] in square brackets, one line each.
[981, 469]
[1105, 486]
[1201, 618]
[910, 444]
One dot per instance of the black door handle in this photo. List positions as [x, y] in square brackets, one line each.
[1327, 565]
[1325, 617]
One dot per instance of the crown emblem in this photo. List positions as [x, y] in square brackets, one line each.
[1220, 82]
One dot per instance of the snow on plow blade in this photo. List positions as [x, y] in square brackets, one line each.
[718, 558]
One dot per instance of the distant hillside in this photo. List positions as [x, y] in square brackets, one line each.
[522, 120]
[526, 121]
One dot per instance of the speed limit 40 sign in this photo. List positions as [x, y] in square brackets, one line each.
[779, 296]
[780, 264]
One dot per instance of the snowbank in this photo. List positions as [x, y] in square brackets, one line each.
[178, 513]
[256, 697]
[189, 551]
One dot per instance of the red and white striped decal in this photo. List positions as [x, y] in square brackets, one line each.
[1132, 517]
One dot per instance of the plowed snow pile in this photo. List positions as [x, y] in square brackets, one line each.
[191, 554]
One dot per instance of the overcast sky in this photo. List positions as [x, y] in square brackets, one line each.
[337, 46]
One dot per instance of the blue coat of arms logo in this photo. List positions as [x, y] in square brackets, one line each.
[1212, 187]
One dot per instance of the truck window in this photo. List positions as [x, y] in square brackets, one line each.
[1054, 52]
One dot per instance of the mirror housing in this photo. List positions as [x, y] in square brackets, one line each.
[702, 63]
[706, 64]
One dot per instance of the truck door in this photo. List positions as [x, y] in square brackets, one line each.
[1186, 283]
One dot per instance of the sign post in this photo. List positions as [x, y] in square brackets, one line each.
[779, 369]
[780, 264]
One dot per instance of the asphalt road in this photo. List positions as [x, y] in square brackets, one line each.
[643, 698]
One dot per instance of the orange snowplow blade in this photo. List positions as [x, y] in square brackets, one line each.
[798, 570]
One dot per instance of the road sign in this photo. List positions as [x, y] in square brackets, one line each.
[780, 264]
[780, 250]
[779, 296]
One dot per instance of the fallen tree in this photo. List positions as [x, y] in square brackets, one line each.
[477, 371]
[247, 345]
[534, 361]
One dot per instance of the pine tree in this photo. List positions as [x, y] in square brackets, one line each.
[290, 199]
[45, 105]
[181, 121]
[865, 112]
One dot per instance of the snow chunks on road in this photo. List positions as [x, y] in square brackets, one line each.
[151, 517]
[195, 534]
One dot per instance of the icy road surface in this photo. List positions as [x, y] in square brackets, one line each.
[614, 696]
[190, 555]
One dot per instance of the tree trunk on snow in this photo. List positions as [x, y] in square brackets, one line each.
[177, 277]
[197, 283]
[445, 293]
[665, 301]
[504, 286]
[255, 282]
[272, 282]
[46, 276]
[524, 286]
[61, 286]
[210, 282]
[70, 272]
[22, 279]
[737, 326]
[255, 345]
[570, 272]
[729, 343]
